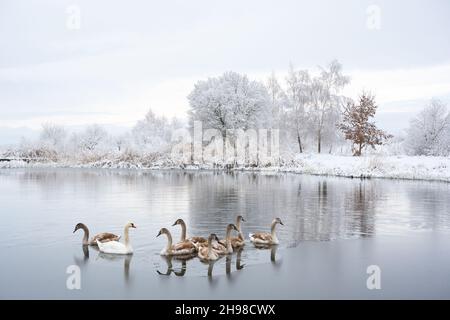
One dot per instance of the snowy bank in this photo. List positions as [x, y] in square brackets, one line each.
[395, 167]
[371, 166]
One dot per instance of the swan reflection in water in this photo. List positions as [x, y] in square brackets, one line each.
[169, 259]
[180, 272]
[83, 261]
[117, 257]
[106, 256]
[228, 263]
[273, 253]
[238, 266]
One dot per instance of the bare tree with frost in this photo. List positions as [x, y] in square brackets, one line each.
[429, 131]
[53, 136]
[93, 138]
[298, 98]
[154, 133]
[325, 100]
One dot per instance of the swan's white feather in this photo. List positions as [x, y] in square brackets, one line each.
[114, 247]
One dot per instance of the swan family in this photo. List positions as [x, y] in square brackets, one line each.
[207, 249]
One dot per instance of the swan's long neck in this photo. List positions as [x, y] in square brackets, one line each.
[169, 242]
[272, 230]
[209, 248]
[238, 226]
[126, 235]
[183, 231]
[86, 235]
[228, 239]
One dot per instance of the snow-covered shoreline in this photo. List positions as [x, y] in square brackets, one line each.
[371, 166]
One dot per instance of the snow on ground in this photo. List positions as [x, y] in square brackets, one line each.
[371, 166]
[397, 167]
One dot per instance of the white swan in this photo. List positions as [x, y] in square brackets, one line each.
[265, 237]
[116, 247]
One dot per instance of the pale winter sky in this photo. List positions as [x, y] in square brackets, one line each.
[127, 56]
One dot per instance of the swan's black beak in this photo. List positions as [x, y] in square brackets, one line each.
[159, 233]
[174, 224]
[74, 230]
[281, 223]
[134, 226]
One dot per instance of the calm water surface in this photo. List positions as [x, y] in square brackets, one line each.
[40, 207]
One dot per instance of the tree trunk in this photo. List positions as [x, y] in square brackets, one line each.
[319, 142]
[299, 139]
[358, 151]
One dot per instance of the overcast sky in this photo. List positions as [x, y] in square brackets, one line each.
[128, 56]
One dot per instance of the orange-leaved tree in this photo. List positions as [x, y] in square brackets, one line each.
[357, 125]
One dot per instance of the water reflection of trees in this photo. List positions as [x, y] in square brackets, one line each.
[315, 208]
[312, 207]
[433, 211]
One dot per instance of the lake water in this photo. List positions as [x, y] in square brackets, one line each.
[40, 207]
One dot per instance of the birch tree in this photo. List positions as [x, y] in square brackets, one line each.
[326, 100]
[277, 100]
[298, 95]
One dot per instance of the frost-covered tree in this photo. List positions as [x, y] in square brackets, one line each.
[153, 133]
[325, 101]
[358, 127]
[314, 104]
[122, 142]
[93, 138]
[278, 101]
[298, 98]
[53, 136]
[429, 131]
[230, 101]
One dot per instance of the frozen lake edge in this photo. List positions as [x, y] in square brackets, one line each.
[373, 166]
